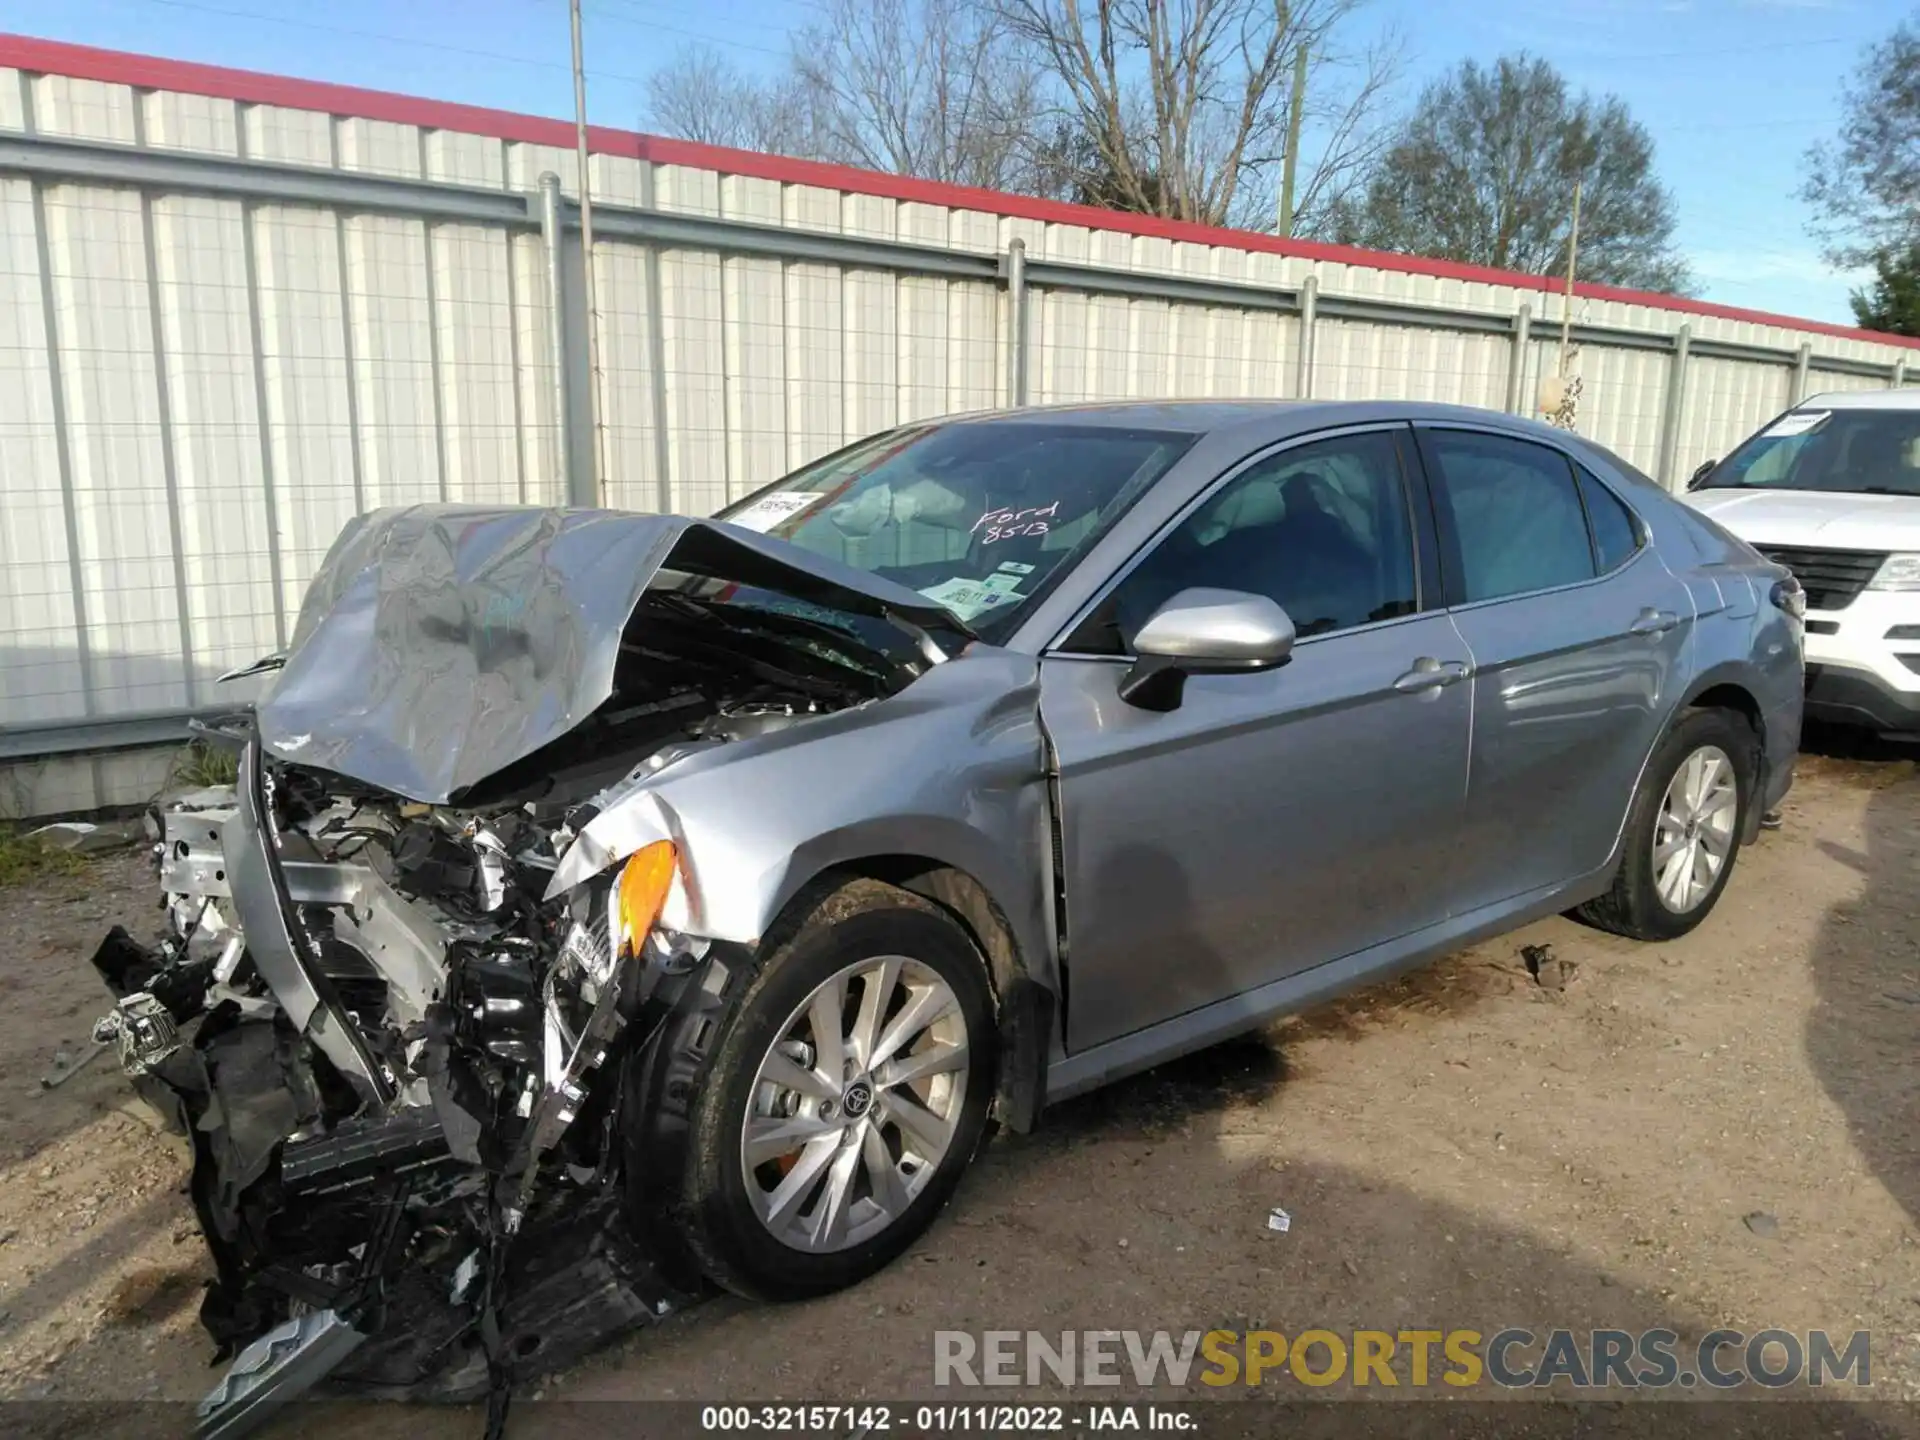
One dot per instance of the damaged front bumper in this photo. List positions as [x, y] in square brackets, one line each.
[403, 1108]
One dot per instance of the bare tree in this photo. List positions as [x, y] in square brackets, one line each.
[701, 95]
[934, 88]
[1342, 134]
[1182, 107]
[1186, 108]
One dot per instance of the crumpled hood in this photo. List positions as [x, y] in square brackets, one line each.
[438, 644]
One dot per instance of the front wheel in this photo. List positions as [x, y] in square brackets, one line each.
[1683, 830]
[847, 1092]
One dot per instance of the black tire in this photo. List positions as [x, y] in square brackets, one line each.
[710, 1206]
[1633, 906]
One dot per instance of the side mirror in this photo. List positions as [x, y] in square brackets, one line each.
[1706, 469]
[1204, 632]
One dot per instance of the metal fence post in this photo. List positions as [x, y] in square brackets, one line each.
[341, 252]
[163, 394]
[657, 354]
[1015, 269]
[1309, 314]
[1675, 406]
[1899, 373]
[435, 362]
[263, 410]
[1517, 356]
[552, 234]
[1802, 363]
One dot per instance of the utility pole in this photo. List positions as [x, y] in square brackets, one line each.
[1566, 303]
[1294, 117]
[596, 471]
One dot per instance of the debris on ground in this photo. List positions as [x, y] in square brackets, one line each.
[85, 837]
[1278, 1219]
[65, 1067]
[1762, 1224]
[1549, 972]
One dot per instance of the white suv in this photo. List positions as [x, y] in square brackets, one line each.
[1831, 490]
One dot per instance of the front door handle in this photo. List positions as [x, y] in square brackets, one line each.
[1653, 622]
[1430, 674]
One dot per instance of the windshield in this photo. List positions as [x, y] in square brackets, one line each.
[1860, 452]
[976, 517]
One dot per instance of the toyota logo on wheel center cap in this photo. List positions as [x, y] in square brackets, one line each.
[857, 1101]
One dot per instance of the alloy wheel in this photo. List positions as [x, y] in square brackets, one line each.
[1693, 836]
[855, 1104]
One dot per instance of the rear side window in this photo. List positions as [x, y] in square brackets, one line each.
[1616, 534]
[1516, 518]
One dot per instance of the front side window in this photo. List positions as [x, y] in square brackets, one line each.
[1517, 521]
[1857, 452]
[975, 517]
[1322, 529]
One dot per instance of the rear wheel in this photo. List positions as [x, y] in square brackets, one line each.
[1683, 830]
[845, 1094]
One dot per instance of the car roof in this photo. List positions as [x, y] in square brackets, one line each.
[1276, 418]
[1186, 416]
[1903, 399]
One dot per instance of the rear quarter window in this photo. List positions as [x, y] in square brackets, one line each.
[1616, 532]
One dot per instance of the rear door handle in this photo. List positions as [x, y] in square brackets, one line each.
[1431, 674]
[1653, 622]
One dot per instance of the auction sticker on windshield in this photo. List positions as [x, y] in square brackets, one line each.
[771, 510]
[968, 598]
[1797, 423]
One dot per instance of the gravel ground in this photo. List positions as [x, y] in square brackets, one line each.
[1472, 1146]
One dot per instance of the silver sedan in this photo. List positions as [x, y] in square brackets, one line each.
[742, 869]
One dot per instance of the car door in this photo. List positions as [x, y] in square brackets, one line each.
[1577, 633]
[1273, 821]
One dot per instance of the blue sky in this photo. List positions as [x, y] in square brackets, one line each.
[1732, 90]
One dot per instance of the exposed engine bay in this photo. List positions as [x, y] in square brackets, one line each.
[422, 1171]
[406, 1054]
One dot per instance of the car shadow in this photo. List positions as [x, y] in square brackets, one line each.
[1168, 1232]
[1863, 1032]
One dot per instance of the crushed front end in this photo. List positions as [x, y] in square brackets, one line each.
[398, 1068]
[404, 986]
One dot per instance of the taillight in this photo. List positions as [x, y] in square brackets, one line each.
[1789, 596]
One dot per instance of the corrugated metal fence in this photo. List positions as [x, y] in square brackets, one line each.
[236, 310]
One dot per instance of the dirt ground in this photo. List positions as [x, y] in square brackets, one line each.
[1467, 1147]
